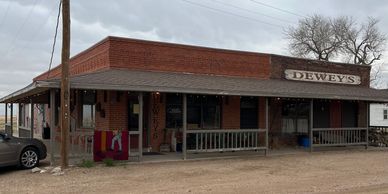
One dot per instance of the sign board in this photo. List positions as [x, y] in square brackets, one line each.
[323, 77]
[110, 144]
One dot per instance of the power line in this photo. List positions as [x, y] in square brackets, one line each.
[21, 27]
[279, 9]
[231, 13]
[251, 11]
[55, 39]
[39, 29]
[5, 15]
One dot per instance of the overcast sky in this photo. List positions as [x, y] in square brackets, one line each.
[27, 27]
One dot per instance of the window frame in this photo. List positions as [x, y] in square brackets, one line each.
[92, 111]
[385, 114]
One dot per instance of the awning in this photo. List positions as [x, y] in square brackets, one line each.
[146, 81]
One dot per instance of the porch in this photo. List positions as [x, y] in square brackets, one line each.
[201, 112]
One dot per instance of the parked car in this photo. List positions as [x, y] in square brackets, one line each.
[23, 152]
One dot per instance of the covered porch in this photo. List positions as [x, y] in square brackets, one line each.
[188, 115]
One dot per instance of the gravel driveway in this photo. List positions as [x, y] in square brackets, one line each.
[355, 171]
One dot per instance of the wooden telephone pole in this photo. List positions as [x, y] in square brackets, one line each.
[65, 85]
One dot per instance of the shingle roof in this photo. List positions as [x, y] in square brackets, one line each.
[130, 80]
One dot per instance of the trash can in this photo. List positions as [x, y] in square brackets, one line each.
[46, 133]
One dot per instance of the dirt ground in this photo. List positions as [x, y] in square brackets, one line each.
[356, 171]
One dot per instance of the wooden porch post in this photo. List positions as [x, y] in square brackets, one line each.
[6, 113]
[266, 126]
[11, 119]
[311, 124]
[184, 146]
[32, 119]
[367, 125]
[52, 125]
[140, 125]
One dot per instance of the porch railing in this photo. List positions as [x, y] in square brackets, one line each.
[24, 132]
[8, 128]
[339, 136]
[81, 143]
[226, 140]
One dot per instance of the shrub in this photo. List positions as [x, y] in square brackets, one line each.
[108, 162]
[86, 163]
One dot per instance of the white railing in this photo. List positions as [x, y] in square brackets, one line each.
[339, 136]
[81, 143]
[8, 128]
[221, 140]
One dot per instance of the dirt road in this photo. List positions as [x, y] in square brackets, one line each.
[321, 172]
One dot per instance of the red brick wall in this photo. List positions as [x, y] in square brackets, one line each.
[335, 114]
[102, 123]
[281, 63]
[90, 60]
[230, 112]
[146, 55]
[158, 120]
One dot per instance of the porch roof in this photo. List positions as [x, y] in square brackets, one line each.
[147, 81]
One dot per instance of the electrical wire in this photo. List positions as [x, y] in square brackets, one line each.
[20, 28]
[251, 11]
[231, 13]
[6, 14]
[279, 9]
[55, 38]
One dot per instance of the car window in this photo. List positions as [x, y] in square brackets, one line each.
[1, 138]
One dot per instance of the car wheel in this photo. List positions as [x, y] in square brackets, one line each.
[29, 158]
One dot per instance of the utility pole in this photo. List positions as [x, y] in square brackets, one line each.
[65, 86]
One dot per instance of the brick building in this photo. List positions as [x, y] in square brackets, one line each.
[201, 99]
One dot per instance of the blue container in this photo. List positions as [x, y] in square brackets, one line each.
[304, 141]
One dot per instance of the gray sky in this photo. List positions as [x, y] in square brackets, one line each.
[27, 27]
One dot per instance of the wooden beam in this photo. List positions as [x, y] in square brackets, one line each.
[65, 86]
[266, 126]
[311, 124]
[32, 119]
[52, 126]
[140, 126]
[11, 119]
[184, 146]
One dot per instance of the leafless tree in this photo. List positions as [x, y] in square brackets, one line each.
[362, 44]
[313, 37]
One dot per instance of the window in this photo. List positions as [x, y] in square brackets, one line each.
[349, 114]
[1, 138]
[202, 111]
[295, 117]
[174, 111]
[385, 114]
[88, 109]
[249, 113]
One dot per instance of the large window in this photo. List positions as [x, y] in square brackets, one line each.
[202, 111]
[174, 111]
[249, 113]
[295, 117]
[349, 114]
[88, 109]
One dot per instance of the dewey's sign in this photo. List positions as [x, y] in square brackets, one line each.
[312, 76]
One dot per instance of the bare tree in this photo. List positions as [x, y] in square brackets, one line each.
[362, 44]
[313, 37]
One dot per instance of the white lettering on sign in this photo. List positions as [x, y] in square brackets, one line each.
[312, 76]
